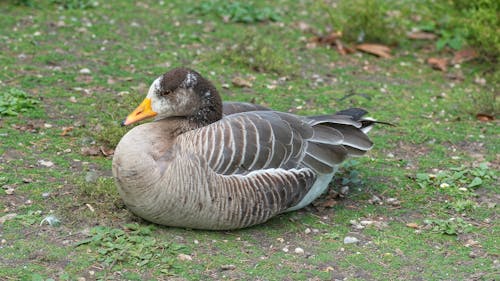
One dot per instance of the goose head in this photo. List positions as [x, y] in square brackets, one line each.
[181, 92]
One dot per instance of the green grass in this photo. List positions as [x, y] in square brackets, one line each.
[423, 234]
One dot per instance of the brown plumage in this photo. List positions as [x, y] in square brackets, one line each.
[208, 165]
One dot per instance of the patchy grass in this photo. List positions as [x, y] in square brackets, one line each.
[423, 204]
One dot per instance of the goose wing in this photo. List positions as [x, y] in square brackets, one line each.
[250, 141]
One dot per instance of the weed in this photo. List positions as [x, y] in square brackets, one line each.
[452, 226]
[458, 182]
[462, 205]
[134, 244]
[15, 101]
[350, 176]
[237, 11]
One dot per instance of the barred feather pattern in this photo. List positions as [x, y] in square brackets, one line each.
[239, 171]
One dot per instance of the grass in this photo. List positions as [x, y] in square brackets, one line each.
[420, 228]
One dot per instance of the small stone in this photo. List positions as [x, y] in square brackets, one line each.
[3, 241]
[392, 201]
[344, 190]
[228, 267]
[184, 257]
[390, 155]
[444, 185]
[473, 255]
[47, 125]
[350, 240]
[45, 194]
[72, 99]
[307, 231]
[85, 71]
[45, 163]
[285, 249]
[281, 240]
[366, 222]
[91, 272]
[27, 180]
[464, 189]
[196, 242]
[299, 251]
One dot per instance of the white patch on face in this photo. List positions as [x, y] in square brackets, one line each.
[157, 105]
[207, 94]
[190, 80]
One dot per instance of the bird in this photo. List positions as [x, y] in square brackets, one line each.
[207, 164]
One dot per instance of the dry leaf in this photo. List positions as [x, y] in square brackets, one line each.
[422, 35]
[91, 151]
[66, 130]
[484, 117]
[329, 203]
[413, 225]
[375, 49]
[464, 55]
[107, 151]
[438, 63]
[241, 82]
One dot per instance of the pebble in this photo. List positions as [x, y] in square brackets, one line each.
[285, 249]
[392, 201]
[184, 257]
[228, 267]
[299, 251]
[344, 190]
[45, 163]
[307, 231]
[350, 240]
[85, 71]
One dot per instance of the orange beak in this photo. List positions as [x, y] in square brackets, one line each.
[142, 112]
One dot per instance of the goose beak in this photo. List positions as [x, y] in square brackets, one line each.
[142, 112]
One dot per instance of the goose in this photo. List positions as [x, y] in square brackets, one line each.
[205, 164]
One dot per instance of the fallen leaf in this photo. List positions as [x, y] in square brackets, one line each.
[91, 151]
[413, 225]
[485, 117]
[438, 63]
[66, 130]
[106, 151]
[375, 49]
[422, 35]
[343, 49]
[330, 39]
[241, 82]
[329, 203]
[464, 55]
